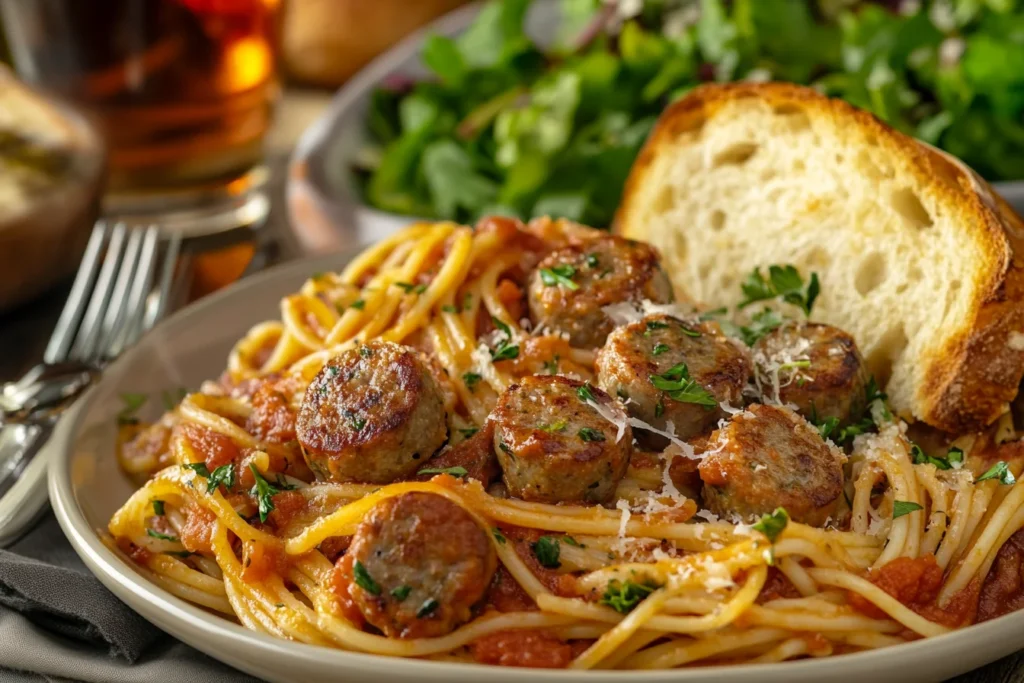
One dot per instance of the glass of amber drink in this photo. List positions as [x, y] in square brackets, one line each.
[182, 91]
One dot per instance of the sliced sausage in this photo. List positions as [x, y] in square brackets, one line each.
[372, 414]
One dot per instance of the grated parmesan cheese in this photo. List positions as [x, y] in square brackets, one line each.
[614, 416]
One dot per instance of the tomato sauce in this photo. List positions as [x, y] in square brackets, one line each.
[475, 454]
[777, 586]
[1003, 590]
[215, 448]
[197, 532]
[287, 506]
[511, 296]
[340, 583]
[525, 648]
[506, 595]
[138, 554]
[271, 419]
[262, 560]
[915, 582]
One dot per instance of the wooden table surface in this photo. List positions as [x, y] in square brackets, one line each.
[24, 331]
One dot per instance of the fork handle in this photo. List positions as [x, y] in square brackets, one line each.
[22, 476]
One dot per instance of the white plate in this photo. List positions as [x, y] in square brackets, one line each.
[86, 487]
[322, 196]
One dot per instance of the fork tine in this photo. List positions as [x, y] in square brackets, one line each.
[170, 260]
[64, 333]
[88, 338]
[136, 304]
[114, 316]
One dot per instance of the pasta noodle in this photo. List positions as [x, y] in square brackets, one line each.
[709, 589]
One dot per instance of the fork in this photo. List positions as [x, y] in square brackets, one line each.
[111, 303]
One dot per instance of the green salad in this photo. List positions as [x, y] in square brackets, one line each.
[505, 127]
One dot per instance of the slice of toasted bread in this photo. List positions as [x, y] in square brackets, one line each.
[917, 257]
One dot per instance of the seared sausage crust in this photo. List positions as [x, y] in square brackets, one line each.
[425, 564]
[655, 345]
[605, 270]
[554, 446]
[766, 457]
[372, 414]
[829, 377]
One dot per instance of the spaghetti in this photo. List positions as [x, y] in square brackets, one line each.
[232, 519]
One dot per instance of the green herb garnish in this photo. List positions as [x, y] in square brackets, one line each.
[471, 379]
[158, 508]
[587, 434]
[772, 525]
[904, 507]
[676, 382]
[428, 607]
[624, 596]
[559, 276]
[264, 491]
[456, 471]
[364, 580]
[162, 537]
[132, 403]
[1000, 471]
[401, 592]
[546, 550]
[557, 426]
[659, 349]
[783, 282]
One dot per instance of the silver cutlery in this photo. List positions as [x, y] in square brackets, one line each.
[123, 287]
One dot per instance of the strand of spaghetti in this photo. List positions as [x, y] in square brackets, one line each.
[1012, 527]
[798, 576]
[866, 639]
[489, 288]
[958, 513]
[902, 542]
[804, 548]
[817, 623]
[454, 269]
[285, 352]
[191, 593]
[177, 570]
[297, 312]
[248, 610]
[981, 509]
[863, 483]
[968, 567]
[263, 335]
[583, 632]
[685, 650]
[442, 350]
[885, 602]
[608, 643]
[787, 649]
[371, 257]
[633, 644]
[938, 507]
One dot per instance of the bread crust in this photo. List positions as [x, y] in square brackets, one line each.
[969, 380]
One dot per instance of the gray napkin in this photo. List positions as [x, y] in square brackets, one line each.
[57, 622]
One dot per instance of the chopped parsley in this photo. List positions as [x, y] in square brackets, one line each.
[624, 596]
[654, 325]
[783, 282]
[358, 304]
[158, 508]
[364, 580]
[659, 349]
[428, 607]
[132, 403]
[552, 365]
[357, 423]
[1000, 471]
[264, 491]
[469, 431]
[955, 457]
[199, 468]
[794, 364]
[401, 592]
[456, 471]
[827, 426]
[572, 541]
[659, 409]
[505, 350]
[919, 457]
[225, 474]
[559, 275]
[587, 434]
[498, 536]
[713, 314]
[173, 397]
[365, 351]
[506, 448]
[592, 261]
[162, 537]
[558, 426]
[408, 287]
[904, 507]
[760, 324]
[586, 393]
[677, 384]
[688, 332]
[471, 379]
[546, 550]
[772, 525]
[448, 308]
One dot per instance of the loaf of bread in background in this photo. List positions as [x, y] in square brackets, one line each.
[324, 42]
[917, 256]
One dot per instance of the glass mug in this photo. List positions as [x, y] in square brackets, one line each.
[181, 90]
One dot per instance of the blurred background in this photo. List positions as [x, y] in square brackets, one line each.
[184, 114]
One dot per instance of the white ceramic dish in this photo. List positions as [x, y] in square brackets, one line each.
[322, 195]
[86, 487]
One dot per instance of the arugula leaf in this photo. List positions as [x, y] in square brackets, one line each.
[676, 382]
